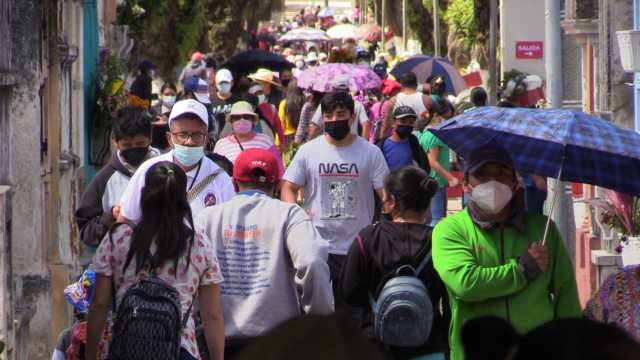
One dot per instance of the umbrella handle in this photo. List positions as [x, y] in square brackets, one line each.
[553, 205]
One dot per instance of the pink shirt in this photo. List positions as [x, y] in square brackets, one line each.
[203, 270]
[229, 148]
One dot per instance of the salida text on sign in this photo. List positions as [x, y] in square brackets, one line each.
[529, 49]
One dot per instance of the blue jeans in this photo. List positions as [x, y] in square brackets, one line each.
[439, 205]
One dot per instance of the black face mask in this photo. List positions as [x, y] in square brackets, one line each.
[285, 82]
[134, 156]
[337, 129]
[404, 131]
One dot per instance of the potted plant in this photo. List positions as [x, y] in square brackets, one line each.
[618, 216]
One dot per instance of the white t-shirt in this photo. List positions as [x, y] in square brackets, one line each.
[218, 191]
[359, 111]
[338, 187]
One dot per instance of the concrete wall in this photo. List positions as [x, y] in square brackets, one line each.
[615, 97]
[521, 20]
[43, 107]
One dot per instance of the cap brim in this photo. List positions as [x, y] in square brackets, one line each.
[173, 118]
[202, 98]
[405, 115]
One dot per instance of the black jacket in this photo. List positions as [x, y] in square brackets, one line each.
[380, 249]
[419, 156]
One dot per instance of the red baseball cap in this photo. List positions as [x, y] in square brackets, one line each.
[256, 159]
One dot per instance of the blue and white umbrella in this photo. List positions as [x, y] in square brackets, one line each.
[424, 66]
[563, 144]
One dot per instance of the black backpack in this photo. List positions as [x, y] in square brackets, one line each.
[148, 322]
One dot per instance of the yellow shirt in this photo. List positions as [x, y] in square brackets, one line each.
[282, 113]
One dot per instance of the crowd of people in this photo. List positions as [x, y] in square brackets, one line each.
[242, 205]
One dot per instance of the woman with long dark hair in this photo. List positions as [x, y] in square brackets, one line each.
[401, 239]
[306, 114]
[290, 110]
[163, 243]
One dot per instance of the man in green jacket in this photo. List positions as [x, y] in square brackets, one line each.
[490, 259]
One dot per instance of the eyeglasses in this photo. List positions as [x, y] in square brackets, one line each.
[184, 136]
[233, 118]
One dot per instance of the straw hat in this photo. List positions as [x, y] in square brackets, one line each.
[263, 75]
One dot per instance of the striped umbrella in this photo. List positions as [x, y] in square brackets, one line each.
[424, 66]
[305, 34]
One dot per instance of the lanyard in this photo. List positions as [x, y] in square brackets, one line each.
[195, 177]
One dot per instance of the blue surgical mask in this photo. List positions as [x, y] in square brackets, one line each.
[186, 155]
[224, 88]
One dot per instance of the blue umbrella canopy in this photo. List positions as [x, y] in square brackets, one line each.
[424, 66]
[542, 141]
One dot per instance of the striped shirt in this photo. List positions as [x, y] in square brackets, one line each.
[229, 147]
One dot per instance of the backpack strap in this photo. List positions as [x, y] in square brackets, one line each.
[113, 284]
[196, 190]
[423, 263]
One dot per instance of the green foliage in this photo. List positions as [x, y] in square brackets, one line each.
[110, 95]
[166, 31]
[460, 17]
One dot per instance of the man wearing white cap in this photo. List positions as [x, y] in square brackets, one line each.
[207, 184]
[224, 99]
[312, 59]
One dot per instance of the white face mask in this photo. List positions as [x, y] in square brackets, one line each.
[261, 99]
[491, 196]
[299, 64]
[224, 87]
[168, 100]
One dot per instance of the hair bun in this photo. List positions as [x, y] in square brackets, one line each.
[429, 186]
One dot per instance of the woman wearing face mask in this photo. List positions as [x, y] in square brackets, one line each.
[168, 95]
[243, 136]
[401, 239]
[268, 113]
[438, 155]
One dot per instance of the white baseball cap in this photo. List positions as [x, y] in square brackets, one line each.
[312, 57]
[189, 106]
[224, 75]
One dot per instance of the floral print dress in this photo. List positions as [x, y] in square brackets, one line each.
[203, 270]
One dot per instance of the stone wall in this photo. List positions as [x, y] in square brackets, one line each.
[43, 128]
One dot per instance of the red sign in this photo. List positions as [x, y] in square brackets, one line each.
[473, 79]
[529, 49]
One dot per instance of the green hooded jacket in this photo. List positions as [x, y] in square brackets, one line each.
[480, 270]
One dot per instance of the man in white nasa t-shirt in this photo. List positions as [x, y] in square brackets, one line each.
[207, 184]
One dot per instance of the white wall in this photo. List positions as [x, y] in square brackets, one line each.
[521, 20]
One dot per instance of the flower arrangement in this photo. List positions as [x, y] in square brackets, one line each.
[620, 212]
[624, 215]
[111, 94]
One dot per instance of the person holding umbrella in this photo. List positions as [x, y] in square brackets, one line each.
[490, 259]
